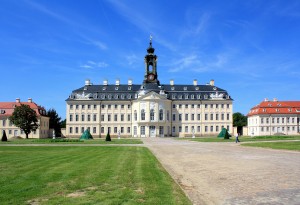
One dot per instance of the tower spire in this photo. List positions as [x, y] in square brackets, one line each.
[151, 65]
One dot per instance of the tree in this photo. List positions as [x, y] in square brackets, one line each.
[25, 118]
[54, 121]
[63, 123]
[4, 137]
[239, 120]
[108, 137]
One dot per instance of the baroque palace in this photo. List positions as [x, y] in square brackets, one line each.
[150, 109]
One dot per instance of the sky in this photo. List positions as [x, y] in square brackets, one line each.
[249, 48]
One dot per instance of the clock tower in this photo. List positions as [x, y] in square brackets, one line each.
[151, 65]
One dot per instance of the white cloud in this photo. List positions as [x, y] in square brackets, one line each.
[93, 65]
[86, 66]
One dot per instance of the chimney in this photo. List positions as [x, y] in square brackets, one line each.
[129, 82]
[117, 82]
[87, 82]
[172, 82]
[275, 100]
[105, 82]
[17, 100]
[212, 82]
[266, 100]
[195, 82]
[30, 100]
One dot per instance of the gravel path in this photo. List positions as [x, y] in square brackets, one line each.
[226, 173]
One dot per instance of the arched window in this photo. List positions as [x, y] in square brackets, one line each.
[151, 114]
[142, 114]
[161, 114]
[135, 115]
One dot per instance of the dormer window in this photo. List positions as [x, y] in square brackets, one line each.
[205, 96]
[186, 96]
[192, 96]
[184, 88]
[116, 88]
[109, 96]
[122, 96]
[172, 88]
[179, 96]
[173, 96]
[104, 88]
[116, 96]
[129, 96]
[103, 96]
[214, 88]
[129, 87]
[198, 96]
[197, 88]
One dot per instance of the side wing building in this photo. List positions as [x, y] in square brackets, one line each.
[150, 109]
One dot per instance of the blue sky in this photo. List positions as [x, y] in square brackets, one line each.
[49, 48]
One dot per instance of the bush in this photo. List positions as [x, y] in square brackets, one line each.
[4, 137]
[108, 137]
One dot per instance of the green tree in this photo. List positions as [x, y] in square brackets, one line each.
[4, 137]
[108, 137]
[54, 121]
[239, 120]
[63, 123]
[25, 118]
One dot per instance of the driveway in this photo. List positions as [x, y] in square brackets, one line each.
[227, 173]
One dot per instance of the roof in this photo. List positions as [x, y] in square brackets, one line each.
[131, 92]
[275, 107]
[7, 108]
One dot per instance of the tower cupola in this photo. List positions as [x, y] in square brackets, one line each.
[150, 65]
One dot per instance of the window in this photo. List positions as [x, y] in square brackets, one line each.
[198, 129]
[82, 117]
[192, 117]
[71, 130]
[122, 106]
[186, 106]
[186, 129]
[108, 129]
[217, 116]
[76, 129]
[174, 117]
[288, 120]
[262, 120]
[142, 130]
[217, 128]
[273, 120]
[206, 117]
[89, 106]
[228, 116]
[143, 115]
[116, 117]
[135, 130]
[128, 129]
[88, 117]
[71, 118]
[82, 106]
[77, 106]
[211, 116]
[122, 117]
[82, 129]
[168, 117]
[71, 107]
[180, 117]
[180, 129]
[122, 129]
[115, 129]
[95, 106]
[151, 114]
[173, 129]
[211, 106]
[293, 120]
[94, 129]
[282, 120]
[217, 105]
[211, 128]
[205, 105]
[102, 129]
[228, 128]
[174, 106]
[192, 105]
[102, 106]
[116, 106]
[186, 117]
[128, 117]
[135, 116]
[108, 117]
[198, 106]
[227, 105]
[206, 129]
[277, 119]
[161, 114]
[95, 117]
[222, 116]
[267, 120]
[161, 130]
[102, 118]
[198, 117]
[128, 106]
[108, 106]
[262, 129]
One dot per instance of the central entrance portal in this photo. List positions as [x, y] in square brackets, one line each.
[152, 131]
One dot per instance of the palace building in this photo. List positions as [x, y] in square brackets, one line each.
[274, 117]
[6, 110]
[150, 109]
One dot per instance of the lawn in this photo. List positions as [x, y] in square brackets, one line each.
[72, 141]
[243, 138]
[276, 145]
[85, 175]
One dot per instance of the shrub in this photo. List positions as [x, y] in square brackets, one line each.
[4, 137]
[108, 137]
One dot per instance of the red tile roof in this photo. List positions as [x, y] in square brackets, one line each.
[7, 108]
[275, 107]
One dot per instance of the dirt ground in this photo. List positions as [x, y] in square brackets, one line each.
[227, 173]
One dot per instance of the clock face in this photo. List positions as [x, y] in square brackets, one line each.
[150, 77]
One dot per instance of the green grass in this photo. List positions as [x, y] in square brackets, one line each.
[85, 175]
[72, 141]
[276, 145]
[243, 138]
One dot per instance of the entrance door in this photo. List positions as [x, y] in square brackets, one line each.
[152, 131]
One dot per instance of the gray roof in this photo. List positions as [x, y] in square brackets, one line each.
[130, 92]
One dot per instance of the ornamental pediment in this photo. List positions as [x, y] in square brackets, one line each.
[153, 96]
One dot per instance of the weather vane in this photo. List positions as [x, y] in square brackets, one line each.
[150, 38]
